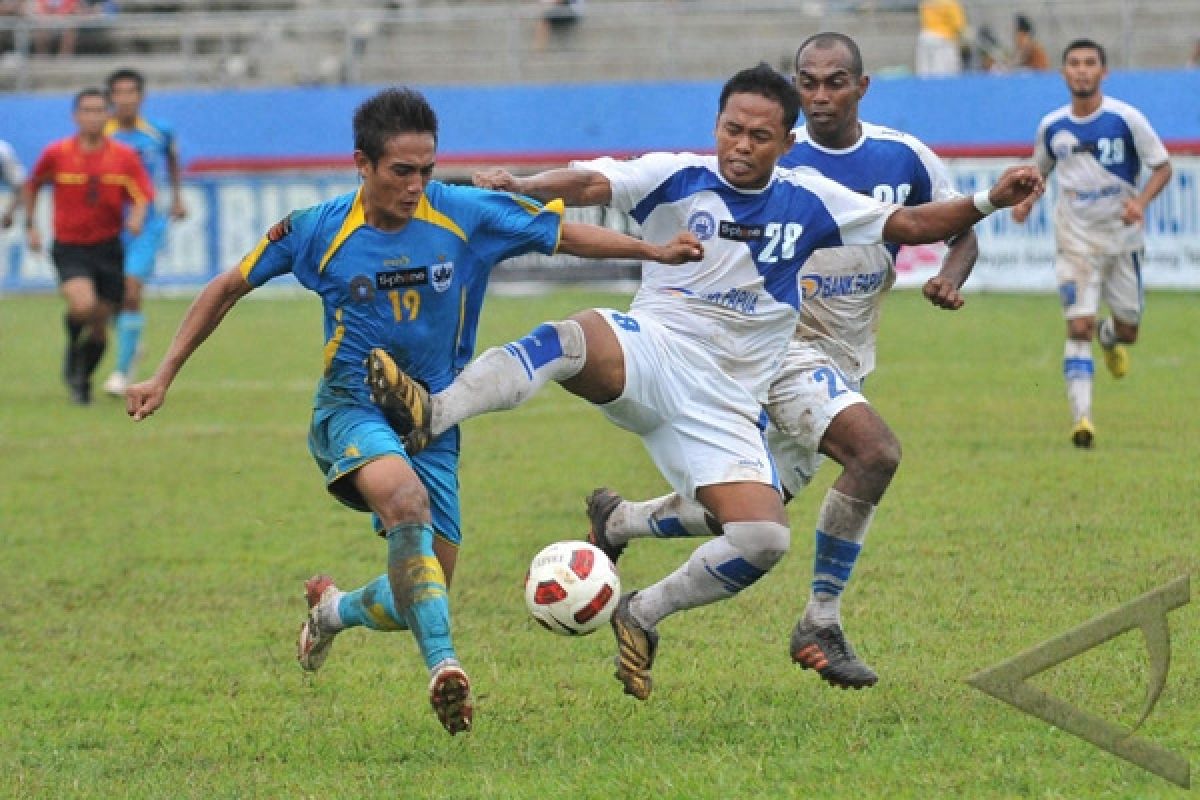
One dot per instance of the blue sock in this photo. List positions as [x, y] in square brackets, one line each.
[129, 333]
[372, 606]
[420, 590]
[832, 564]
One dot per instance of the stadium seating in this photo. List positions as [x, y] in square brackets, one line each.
[426, 42]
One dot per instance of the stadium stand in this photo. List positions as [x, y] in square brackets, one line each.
[454, 42]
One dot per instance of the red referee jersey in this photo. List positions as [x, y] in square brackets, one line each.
[91, 188]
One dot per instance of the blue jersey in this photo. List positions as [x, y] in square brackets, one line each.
[416, 292]
[152, 140]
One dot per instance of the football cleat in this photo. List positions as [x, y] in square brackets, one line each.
[825, 649]
[404, 402]
[636, 647]
[601, 503]
[450, 696]
[116, 384]
[312, 646]
[1083, 434]
[1116, 358]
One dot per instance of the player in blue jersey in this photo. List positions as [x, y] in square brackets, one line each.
[815, 403]
[155, 144]
[1099, 146]
[401, 266]
[689, 366]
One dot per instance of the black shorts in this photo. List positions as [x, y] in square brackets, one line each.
[103, 263]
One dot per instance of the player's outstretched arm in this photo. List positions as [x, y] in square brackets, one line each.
[942, 289]
[933, 222]
[576, 187]
[202, 317]
[593, 241]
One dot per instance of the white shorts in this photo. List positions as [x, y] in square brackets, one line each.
[807, 394]
[700, 426]
[1084, 280]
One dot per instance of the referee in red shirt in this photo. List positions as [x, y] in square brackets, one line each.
[95, 179]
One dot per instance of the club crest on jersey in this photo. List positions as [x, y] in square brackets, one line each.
[443, 274]
[361, 289]
[702, 224]
[280, 229]
[738, 232]
[400, 278]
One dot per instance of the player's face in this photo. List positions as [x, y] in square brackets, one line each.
[1083, 72]
[392, 187]
[126, 99]
[90, 116]
[751, 138]
[829, 94]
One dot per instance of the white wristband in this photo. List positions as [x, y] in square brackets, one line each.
[983, 203]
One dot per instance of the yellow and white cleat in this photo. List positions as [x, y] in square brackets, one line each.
[1083, 434]
[1116, 358]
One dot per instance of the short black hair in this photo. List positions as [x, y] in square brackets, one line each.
[126, 74]
[1024, 24]
[1086, 44]
[392, 111]
[83, 94]
[766, 81]
[827, 39]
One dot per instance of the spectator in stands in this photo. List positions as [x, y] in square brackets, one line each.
[989, 54]
[50, 19]
[12, 175]
[939, 44]
[558, 18]
[1028, 53]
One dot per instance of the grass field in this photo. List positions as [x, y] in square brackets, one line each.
[153, 573]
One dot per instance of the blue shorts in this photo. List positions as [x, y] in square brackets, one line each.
[141, 250]
[345, 436]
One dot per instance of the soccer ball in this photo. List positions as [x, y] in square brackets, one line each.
[572, 588]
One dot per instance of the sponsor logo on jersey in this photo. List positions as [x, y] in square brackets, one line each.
[361, 289]
[443, 274]
[399, 278]
[702, 224]
[738, 232]
[280, 229]
[813, 286]
[738, 300]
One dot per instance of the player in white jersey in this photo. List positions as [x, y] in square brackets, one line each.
[815, 403]
[1099, 146]
[689, 366]
[12, 173]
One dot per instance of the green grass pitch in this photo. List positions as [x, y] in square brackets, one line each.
[152, 575]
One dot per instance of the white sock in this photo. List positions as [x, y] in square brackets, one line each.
[1078, 368]
[666, 517]
[505, 377]
[1106, 333]
[716, 570]
[842, 525]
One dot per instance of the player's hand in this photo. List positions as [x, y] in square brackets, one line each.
[942, 293]
[1021, 211]
[1017, 184]
[143, 399]
[134, 225]
[178, 209]
[1132, 213]
[33, 240]
[683, 248]
[499, 179]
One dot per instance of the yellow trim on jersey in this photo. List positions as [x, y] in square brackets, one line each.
[251, 260]
[557, 206]
[130, 185]
[427, 213]
[335, 341]
[71, 177]
[356, 218]
[532, 208]
[462, 315]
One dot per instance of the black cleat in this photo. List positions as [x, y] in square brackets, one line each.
[826, 650]
[601, 503]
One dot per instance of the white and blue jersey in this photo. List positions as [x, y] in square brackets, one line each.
[843, 287]
[741, 301]
[1098, 159]
[12, 173]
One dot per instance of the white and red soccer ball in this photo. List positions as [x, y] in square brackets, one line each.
[572, 588]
